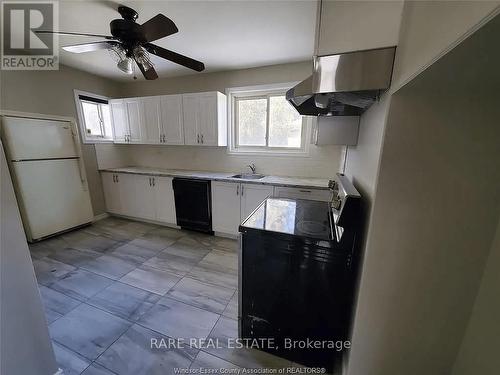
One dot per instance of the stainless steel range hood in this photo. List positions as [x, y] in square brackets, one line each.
[344, 84]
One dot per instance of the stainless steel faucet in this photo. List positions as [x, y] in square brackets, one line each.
[252, 167]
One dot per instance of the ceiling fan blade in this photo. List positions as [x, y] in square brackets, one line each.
[158, 27]
[74, 34]
[149, 74]
[109, 4]
[174, 57]
[89, 47]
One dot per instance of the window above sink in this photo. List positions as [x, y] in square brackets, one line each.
[262, 122]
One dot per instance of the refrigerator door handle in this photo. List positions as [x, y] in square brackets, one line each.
[81, 166]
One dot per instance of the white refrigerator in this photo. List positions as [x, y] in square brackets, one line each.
[48, 174]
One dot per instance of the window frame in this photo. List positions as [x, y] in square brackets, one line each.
[81, 118]
[263, 92]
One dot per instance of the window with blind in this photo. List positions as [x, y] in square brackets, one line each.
[94, 117]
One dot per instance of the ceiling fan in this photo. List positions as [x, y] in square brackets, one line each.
[131, 41]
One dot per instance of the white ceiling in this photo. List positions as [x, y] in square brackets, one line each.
[225, 35]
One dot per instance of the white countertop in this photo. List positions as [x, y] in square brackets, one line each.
[305, 182]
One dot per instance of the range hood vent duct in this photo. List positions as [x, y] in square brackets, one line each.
[344, 84]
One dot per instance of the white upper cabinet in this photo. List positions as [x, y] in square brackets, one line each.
[205, 119]
[347, 26]
[208, 120]
[198, 119]
[152, 129]
[127, 119]
[190, 108]
[135, 116]
[172, 120]
[119, 120]
[158, 117]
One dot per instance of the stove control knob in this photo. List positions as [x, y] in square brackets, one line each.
[336, 202]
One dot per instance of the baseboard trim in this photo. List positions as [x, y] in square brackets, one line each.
[226, 235]
[100, 217]
[145, 220]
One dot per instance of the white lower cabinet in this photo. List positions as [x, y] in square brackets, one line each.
[141, 196]
[126, 188]
[302, 193]
[251, 196]
[111, 192]
[143, 199]
[152, 198]
[225, 207]
[164, 200]
[233, 202]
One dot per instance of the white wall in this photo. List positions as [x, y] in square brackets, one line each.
[434, 217]
[479, 350]
[363, 159]
[51, 92]
[357, 25]
[323, 161]
[25, 346]
[430, 28]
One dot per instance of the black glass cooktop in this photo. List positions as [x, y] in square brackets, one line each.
[297, 217]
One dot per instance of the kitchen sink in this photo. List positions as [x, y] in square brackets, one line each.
[249, 176]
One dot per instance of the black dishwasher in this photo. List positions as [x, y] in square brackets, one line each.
[193, 204]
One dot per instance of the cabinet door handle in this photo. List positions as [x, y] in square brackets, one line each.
[149, 178]
[305, 191]
[242, 186]
[202, 138]
[114, 178]
[198, 139]
[117, 179]
[153, 181]
[237, 189]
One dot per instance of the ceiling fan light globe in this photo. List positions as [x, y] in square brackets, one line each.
[125, 66]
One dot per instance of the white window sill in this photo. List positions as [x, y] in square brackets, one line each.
[271, 153]
[97, 140]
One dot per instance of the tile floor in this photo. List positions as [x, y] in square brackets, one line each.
[109, 288]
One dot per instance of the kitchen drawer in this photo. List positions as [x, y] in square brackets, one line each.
[302, 193]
